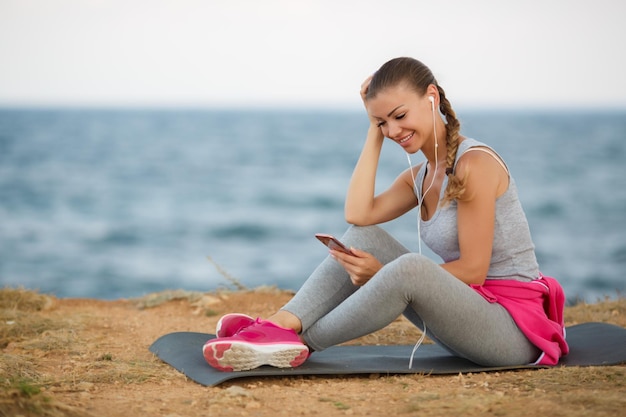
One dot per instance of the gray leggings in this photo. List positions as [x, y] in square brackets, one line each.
[333, 310]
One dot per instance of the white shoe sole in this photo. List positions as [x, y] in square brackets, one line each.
[241, 356]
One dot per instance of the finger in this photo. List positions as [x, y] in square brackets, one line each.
[339, 257]
[349, 262]
[356, 280]
[367, 81]
[358, 253]
[365, 85]
[341, 254]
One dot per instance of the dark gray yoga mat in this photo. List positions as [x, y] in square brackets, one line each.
[591, 344]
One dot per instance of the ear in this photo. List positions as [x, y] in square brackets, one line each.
[433, 91]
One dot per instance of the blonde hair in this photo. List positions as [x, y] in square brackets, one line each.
[418, 76]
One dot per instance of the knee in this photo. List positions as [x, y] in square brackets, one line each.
[360, 232]
[404, 275]
[415, 262]
[413, 269]
[362, 237]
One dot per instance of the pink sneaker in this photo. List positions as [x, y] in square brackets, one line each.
[230, 324]
[262, 343]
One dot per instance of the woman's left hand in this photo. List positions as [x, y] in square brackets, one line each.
[361, 266]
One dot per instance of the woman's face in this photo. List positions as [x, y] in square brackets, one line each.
[403, 116]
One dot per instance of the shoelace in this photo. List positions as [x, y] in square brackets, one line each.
[417, 345]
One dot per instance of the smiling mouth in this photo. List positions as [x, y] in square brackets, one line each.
[405, 139]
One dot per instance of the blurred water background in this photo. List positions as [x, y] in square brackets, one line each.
[119, 203]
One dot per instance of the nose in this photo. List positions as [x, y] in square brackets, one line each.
[393, 130]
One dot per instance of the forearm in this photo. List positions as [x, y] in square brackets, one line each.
[360, 195]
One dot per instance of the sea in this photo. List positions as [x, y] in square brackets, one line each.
[120, 203]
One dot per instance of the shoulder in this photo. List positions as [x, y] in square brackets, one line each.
[482, 170]
[483, 158]
[483, 155]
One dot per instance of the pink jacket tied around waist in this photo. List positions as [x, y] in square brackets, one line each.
[537, 308]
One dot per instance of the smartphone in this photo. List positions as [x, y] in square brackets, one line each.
[333, 243]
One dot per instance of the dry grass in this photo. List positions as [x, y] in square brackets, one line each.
[16, 319]
[24, 300]
[607, 311]
[20, 382]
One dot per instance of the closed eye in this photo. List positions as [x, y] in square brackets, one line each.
[398, 117]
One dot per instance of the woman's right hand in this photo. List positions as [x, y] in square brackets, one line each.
[373, 122]
[364, 87]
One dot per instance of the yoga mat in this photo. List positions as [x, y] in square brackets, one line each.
[591, 344]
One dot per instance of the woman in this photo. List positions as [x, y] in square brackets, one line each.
[487, 301]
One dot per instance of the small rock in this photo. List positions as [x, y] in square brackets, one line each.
[237, 391]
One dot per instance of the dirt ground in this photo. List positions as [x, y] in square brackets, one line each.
[85, 357]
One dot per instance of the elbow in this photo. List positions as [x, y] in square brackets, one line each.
[478, 276]
[355, 217]
[475, 273]
[469, 270]
[359, 219]
[476, 279]
[355, 220]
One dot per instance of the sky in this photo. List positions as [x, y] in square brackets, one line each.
[307, 53]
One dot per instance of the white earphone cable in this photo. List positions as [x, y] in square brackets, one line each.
[420, 200]
[419, 214]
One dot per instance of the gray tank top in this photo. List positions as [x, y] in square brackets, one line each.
[513, 254]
